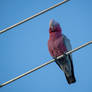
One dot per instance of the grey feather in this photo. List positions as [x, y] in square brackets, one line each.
[69, 47]
[67, 43]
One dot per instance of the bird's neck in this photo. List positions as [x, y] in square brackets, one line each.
[55, 35]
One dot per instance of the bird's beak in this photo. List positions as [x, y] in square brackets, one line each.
[52, 27]
[52, 24]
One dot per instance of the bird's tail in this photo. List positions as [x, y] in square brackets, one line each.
[70, 79]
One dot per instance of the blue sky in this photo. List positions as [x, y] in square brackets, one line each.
[25, 47]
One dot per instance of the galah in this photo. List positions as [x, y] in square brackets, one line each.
[59, 44]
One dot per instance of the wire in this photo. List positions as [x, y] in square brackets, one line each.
[30, 71]
[29, 18]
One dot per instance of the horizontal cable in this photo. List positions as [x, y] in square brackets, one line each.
[29, 18]
[30, 71]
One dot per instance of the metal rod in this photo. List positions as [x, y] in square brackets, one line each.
[31, 17]
[30, 71]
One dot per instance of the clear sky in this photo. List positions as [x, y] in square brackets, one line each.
[25, 47]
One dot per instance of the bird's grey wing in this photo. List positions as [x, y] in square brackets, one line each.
[67, 43]
[69, 57]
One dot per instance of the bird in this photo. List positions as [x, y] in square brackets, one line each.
[59, 44]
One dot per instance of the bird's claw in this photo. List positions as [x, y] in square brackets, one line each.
[64, 55]
[55, 58]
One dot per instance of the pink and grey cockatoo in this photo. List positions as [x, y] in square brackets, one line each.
[59, 44]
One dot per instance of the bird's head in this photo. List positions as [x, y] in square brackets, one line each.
[54, 26]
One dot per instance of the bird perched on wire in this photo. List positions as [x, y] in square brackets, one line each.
[59, 44]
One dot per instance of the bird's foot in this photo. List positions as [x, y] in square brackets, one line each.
[55, 58]
[64, 55]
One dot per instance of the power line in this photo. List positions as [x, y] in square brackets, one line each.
[31, 17]
[30, 71]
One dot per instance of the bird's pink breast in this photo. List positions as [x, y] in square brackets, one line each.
[56, 47]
